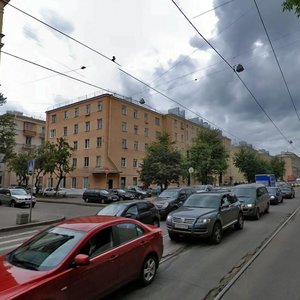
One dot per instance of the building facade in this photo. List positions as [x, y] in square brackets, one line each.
[292, 166]
[30, 133]
[109, 136]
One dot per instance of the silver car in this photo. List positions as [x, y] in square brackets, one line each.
[16, 197]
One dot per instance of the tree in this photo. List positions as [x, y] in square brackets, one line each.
[292, 5]
[208, 156]
[58, 159]
[7, 133]
[18, 163]
[277, 166]
[161, 164]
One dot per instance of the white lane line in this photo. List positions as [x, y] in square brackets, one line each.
[9, 247]
[14, 240]
[18, 234]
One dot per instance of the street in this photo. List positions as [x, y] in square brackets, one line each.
[193, 269]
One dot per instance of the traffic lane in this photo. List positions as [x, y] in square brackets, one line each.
[275, 273]
[200, 269]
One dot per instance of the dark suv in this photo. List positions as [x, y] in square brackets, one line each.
[172, 198]
[254, 197]
[143, 211]
[99, 195]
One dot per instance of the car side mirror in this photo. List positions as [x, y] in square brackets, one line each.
[130, 215]
[81, 260]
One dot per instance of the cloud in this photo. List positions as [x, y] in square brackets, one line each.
[31, 33]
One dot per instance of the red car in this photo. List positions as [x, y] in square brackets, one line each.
[82, 258]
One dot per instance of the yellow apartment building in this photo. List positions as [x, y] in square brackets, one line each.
[30, 133]
[292, 166]
[109, 136]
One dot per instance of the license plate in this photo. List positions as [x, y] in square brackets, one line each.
[181, 226]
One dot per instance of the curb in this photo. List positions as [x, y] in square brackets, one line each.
[32, 224]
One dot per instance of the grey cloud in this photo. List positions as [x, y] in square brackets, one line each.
[31, 33]
[57, 21]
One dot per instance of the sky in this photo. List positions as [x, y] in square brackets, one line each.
[170, 53]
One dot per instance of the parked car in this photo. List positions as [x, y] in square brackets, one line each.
[99, 195]
[172, 198]
[206, 215]
[287, 190]
[275, 194]
[16, 197]
[143, 211]
[137, 191]
[123, 194]
[82, 258]
[200, 188]
[51, 192]
[254, 197]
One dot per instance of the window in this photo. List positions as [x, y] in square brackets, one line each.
[157, 121]
[28, 126]
[99, 123]
[124, 110]
[175, 123]
[146, 131]
[28, 140]
[76, 112]
[146, 118]
[123, 162]
[124, 126]
[146, 146]
[65, 114]
[88, 109]
[128, 232]
[135, 163]
[135, 129]
[182, 138]
[99, 105]
[75, 128]
[86, 161]
[53, 119]
[175, 136]
[52, 133]
[134, 180]
[87, 126]
[98, 161]
[65, 131]
[181, 125]
[85, 182]
[87, 143]
[74, 162]
[123, 182]
[99, 142]
[124, 144]
[136, 145]
[73, 183]
[75, 145]
[135, 114]
[157, 134]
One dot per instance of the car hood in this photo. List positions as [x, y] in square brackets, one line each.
[14, 279]
[22, 197]
[192, 212]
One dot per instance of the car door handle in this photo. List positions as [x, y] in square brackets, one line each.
[113, 257]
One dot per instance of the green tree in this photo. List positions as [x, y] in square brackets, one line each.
[278, 167]
[162, 163]
[292, 5]
[58, 159]
[18, 163]
[208, 156]
[7, 133]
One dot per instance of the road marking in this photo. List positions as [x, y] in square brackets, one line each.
[19, 234]
[9, 247]
[14, 240]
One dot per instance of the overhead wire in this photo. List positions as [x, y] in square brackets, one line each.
[277, 61]
[227, 63]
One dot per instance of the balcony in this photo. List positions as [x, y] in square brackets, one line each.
[29, 133]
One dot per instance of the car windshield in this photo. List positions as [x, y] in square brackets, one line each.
[105, 192]
[272, 190]
[121, 191]
[244, 192]
[112, 210]
[169, 194]
[205, 201]
[47, 250]
[18, 192]
[201, 187]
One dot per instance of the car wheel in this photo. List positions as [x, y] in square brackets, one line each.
[32, 205]
[156, 222]
[267, 210]
[86, 200]
[257, 214]
[281, 200]
[216, 235]
[102, 201]
[149, 269]
[140, 197]
[173, 236]
[12, 204]
[240, 222]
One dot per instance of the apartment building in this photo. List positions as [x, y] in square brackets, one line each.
[292, 166]
[30, 133]
[109, 136]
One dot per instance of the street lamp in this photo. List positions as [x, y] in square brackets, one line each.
[238, 68]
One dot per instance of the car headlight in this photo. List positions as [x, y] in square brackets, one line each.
[169, 218]
[165, 205]
[250, 205]
[272, 197]
[203, 220]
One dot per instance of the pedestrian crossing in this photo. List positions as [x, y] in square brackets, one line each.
[9, 241]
